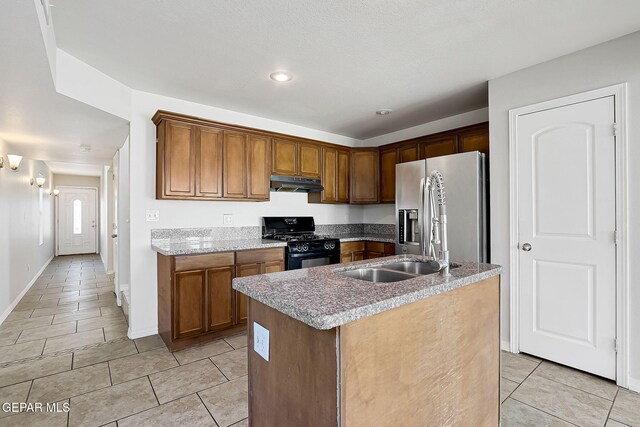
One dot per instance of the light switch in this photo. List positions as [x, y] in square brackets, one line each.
[261, 340]
[153, 215]
[227, 219]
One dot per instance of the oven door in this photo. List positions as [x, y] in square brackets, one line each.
[312, 259]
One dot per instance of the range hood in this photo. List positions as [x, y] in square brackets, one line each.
[293, 184]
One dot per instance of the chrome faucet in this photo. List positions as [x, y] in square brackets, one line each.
[437, 225]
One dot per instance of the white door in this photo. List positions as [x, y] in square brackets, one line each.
[77, 221]
[114, 226]
[566, 225]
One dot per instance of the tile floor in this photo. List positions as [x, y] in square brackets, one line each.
[65, 342]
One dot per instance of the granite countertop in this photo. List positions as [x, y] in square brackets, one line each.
[354, 237]
[323, 299]
[203, 245]
[207, 246]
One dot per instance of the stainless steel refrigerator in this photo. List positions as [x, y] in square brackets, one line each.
[465, 190]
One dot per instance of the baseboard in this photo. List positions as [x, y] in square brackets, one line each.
[505, 346]
[15, 302]
[133, 335]
[110, 272]
[634, 384]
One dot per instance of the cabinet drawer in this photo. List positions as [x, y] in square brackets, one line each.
[351, 247]
[196, 262]
[259, 255]
[390, 248]
[375, 247]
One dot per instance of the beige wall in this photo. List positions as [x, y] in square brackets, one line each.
[76, 180]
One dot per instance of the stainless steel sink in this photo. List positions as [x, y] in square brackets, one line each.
[377, 275]
[415, 267]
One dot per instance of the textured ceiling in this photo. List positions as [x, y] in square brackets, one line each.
[425, 59]
[35, 120]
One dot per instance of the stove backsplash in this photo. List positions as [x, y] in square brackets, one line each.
[255, 232]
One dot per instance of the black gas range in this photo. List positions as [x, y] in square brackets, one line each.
[304, 247]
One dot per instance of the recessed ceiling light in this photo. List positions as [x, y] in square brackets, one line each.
[85, 148]
[384, 112]
[281, 76]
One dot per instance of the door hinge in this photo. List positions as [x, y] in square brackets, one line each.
[615, 237]
[615, 345]
[615, 129]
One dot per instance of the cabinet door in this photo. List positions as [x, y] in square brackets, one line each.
[259, 167]
[208, 162]
[220, 298]
[285, 157]
[371, 255]
[346, 257]
[365, 176]
[329, 174]
[309, 160]
[439, 146]
[388, 160]
[342, 180]
[358, 256]
[408, 153]
[272, 267]
[188, 304]
[179, 160]
[234, 151]
[474, 139]
[242, 310]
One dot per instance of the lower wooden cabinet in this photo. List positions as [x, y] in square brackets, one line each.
[357, 251]
[196, 301]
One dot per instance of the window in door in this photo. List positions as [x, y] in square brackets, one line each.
[77, 217]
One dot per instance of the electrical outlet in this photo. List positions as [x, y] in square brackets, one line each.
[153, 215]
[227, 219]
[261, 340]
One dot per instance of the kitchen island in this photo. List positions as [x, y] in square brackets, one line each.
[349, 352]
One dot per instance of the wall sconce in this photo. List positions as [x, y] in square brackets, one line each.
[40, 181]
[14, 161]
[55, 192]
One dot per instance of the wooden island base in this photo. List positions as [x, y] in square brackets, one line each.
[430, 363]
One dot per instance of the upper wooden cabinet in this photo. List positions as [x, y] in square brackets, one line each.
[389, 158]
[438, 146]
[235, 168]
[335, 177]
[474, 139]
[294, 158]
[285, 157]
[388, 161]
[365, 176]
[196, 160]
[208, 159]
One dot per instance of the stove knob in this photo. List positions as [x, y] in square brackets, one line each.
[299, 247]
[329, 245]
[305, 247]
[333, 245]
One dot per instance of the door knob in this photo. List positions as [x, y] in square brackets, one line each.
[113, 236]
[526, 247]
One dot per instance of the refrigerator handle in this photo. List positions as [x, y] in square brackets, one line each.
[421, 217]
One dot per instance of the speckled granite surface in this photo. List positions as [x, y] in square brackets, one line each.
[206, 246]
[193, 241]
[323, 299]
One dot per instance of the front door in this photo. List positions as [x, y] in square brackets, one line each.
[566, 234]
[77, 221]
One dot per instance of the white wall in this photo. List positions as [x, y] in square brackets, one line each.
[21, 254]
[610, 63]
[124, 226]
[105, 235]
